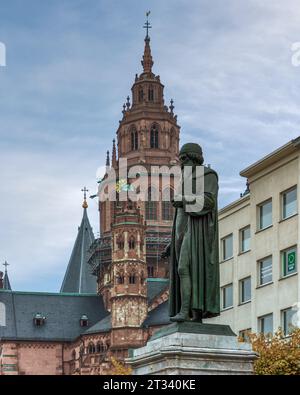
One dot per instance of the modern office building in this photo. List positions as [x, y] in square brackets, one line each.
[259, 241]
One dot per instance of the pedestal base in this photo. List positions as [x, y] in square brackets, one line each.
[173, 351]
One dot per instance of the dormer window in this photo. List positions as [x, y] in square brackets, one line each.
[84, 321]
[39, 319]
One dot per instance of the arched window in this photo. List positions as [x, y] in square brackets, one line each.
[150, 94]
[142, 278]
[151, 205]
[134, 139]
[166, 205]
[132, 278]
[2, 314]
[141, 95]
[91, 348]
[73, 354]
[154, 136]
[120, 278]
[131, 243]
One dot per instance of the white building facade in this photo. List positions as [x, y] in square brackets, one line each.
[259, 247]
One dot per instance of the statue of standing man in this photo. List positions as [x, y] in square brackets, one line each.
[193, 251]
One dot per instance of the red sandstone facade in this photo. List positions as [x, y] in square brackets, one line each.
[132, 235]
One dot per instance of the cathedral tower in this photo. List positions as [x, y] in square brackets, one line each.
[128, 297]
[147, 135]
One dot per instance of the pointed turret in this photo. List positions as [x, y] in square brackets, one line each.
[78, 277]
[147, 61]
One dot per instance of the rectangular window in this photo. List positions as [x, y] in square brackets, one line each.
[265, 271]
[227, 247]
[289, 203]
[265, 324]
[227, 295]
[289, 261]
[286, 318]
[265, 215]
[245, 290]
[245, 239]
[244, 335]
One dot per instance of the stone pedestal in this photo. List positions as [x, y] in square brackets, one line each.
[192, 349]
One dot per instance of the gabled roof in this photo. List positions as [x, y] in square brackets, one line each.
[62, 313]
[78, 277]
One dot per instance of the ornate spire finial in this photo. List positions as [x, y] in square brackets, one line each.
[114, 155]
[171, 107]
[84, 204]
[147, 61]
[107, 159]
[128, 103]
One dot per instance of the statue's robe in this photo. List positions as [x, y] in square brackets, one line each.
[202, 255]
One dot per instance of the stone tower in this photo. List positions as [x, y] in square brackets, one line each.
[147, 135]
[128, 297]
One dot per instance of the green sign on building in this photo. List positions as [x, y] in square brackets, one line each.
[291, 261]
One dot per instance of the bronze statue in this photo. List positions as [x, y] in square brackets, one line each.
[193, 251]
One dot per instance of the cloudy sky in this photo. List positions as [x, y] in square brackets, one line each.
[71, 64]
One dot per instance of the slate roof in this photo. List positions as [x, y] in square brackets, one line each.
[62, 312]
[158, 316]
[78, 277]
[155, 286]
[102, 326]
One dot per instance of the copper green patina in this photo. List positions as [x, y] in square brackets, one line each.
[193, 251]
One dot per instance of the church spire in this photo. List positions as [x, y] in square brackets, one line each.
[78, 277]
[147, 61]
[6, 282]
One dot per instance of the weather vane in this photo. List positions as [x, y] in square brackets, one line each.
[147, 24]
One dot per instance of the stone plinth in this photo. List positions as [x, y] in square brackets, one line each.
[178, 350]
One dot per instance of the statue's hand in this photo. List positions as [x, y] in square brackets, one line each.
[177, 201]
[166, 252]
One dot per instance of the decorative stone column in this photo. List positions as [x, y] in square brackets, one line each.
[193, 349]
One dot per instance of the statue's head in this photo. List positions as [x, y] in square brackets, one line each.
[191, 155]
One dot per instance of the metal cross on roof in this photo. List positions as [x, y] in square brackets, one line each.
[5, 264]
[84, 190]
[147, 24]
